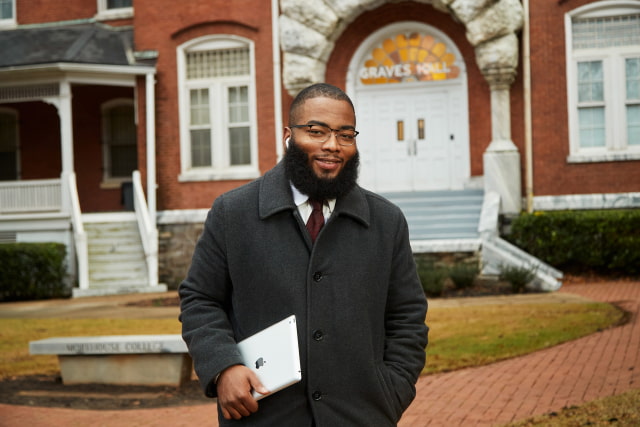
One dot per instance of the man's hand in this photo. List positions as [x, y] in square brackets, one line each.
[235, 385]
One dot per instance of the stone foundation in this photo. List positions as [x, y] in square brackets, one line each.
[176, 243]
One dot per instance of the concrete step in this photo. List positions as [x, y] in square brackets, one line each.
[116, 255]
[440, 215]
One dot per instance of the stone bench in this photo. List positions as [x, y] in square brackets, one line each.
[119, 359]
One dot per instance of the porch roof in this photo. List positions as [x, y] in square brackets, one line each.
[84, 43]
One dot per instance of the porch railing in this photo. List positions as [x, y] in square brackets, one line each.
[31, 196]
[148, 230]
[80, 237]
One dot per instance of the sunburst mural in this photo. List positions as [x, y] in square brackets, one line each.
[409, 58]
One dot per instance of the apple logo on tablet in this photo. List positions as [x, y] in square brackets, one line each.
[260, 363]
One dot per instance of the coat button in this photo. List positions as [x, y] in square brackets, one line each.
[318, 335]
[317, 276]
[316, 395]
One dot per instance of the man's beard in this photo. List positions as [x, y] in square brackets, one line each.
[299, 172]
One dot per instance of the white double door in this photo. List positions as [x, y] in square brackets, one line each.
[412, 139]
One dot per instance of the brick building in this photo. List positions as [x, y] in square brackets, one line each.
[535, 105]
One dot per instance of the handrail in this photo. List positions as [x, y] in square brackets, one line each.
[147, 228]
[80, 237]
[497, 252]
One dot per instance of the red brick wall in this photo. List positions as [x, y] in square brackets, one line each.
[164, 32]
[369, 22]
[552, 174]
[42, 11]
[38, 11]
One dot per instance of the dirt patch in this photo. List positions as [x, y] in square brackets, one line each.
[48, 391]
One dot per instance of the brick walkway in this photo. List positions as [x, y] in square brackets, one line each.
[569, 374]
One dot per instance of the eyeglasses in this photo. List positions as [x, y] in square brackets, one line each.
[321, 134]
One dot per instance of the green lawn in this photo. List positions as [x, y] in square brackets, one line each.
[459, 337]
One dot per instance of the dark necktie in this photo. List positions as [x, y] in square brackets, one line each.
[316, 219]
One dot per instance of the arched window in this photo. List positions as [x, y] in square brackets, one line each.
[120, 155]
[9, 153]
[603, 80]
[217, 109]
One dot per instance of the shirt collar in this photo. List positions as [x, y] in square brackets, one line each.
[300, 198]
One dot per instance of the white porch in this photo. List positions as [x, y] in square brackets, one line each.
[49, 210]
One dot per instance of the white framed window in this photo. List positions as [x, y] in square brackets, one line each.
[114, 9]
[119, 146]
[9, 145]
[603, 81]
[7, 14]
[218, 135]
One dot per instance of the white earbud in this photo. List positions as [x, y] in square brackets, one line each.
[286, 141]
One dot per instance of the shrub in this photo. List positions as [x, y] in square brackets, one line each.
[604, 242]
[432, 277]
[464, 274]
[32, 271]
[518, 277]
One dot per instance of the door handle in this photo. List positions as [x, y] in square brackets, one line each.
[412, 147]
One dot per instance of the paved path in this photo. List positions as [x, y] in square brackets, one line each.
[603, 364]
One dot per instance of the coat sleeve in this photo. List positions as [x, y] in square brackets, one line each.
[205, 307]
[405, 328]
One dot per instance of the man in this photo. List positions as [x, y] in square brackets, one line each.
[354, 289]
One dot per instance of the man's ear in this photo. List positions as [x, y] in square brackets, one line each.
[287, 137]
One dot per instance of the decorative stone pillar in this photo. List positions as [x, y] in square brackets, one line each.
[498, 60]
[502, 159]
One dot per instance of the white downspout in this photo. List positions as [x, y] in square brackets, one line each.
[277, 78]
[152, 235]
[528, 137]
[151, 145]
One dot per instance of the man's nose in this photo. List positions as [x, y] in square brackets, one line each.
[331, 144]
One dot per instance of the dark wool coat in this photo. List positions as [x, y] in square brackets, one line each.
[359, 304]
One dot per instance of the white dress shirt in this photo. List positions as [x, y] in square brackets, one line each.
[304, 207]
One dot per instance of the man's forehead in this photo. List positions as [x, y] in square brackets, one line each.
[324, 105]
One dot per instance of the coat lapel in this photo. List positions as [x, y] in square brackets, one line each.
[275, 193]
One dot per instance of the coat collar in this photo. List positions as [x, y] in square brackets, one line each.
[275, 196]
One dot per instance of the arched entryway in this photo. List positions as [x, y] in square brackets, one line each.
[410, 90]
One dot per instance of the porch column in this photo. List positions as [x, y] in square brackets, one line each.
[66, 126]
[501, 159]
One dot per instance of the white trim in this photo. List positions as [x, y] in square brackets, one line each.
[587, 201]
[182, 216]
[97, 69]
[445, 246]
[603, 157]
[220, 169]
[277, 79]
[108, 217]
[150, 109]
